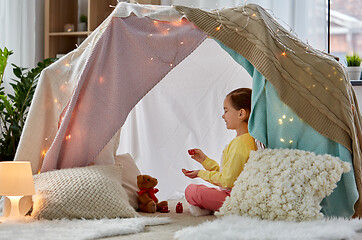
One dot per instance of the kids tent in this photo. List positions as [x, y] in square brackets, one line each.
[301, 96]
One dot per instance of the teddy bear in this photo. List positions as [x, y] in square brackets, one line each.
[148, 202]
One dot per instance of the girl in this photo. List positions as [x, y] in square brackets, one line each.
[202, 199]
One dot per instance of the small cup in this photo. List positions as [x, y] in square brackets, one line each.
[192, 151]
[164, 209]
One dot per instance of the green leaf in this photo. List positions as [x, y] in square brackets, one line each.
[7, 104]
[14, 107]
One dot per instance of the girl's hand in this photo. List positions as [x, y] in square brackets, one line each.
[199, 155]
[190, 173]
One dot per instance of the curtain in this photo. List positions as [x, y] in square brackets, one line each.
[21, 30]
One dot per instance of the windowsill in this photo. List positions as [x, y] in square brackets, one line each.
[356, 82]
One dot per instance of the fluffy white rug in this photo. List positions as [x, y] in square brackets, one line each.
[77, 229]
[237, 227]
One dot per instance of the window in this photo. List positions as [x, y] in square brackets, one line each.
[345, 28]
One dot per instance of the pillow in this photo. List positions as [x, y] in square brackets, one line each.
[85, 192]
[130, 172]
[284, 184]
[106, 156]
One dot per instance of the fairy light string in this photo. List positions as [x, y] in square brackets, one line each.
[277, 33]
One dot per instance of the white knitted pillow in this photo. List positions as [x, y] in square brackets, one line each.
[284, 184]
[86, 192]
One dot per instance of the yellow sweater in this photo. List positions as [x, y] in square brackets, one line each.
[234, 157]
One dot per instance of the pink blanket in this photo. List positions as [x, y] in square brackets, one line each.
[129, 59]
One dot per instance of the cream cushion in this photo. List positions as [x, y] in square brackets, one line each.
[86, 192]
[284, 184]
[130, 172]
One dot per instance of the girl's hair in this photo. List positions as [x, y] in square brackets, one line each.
[241, 99]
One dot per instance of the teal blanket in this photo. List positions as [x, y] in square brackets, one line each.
[276, 125]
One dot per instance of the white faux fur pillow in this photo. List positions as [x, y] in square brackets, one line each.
[86, 192]
[284, 184]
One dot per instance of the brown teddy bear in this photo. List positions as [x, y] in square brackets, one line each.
[146, 196]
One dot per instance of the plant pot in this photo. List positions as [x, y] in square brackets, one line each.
[82, 27]
[354, 73]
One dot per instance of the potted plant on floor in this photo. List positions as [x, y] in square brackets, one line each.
[353, 66]
[14, 106]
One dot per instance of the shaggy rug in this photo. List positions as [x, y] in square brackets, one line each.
[77, 229]
[237, 227]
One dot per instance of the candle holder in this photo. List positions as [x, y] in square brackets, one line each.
[69, 27]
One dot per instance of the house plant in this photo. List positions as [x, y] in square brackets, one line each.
[14, 106]
[353, 66]
[82, 25]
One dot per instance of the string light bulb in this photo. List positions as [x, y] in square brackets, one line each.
[218, 28]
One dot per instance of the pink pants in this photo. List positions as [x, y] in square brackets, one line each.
[205, 197]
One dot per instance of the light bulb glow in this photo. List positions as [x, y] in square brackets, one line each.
[284, 116]
[282, 140]
[68, 137]
[218, 28]
[280, 121]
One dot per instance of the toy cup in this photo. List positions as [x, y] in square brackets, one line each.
[192, 151]
[164, 209]
[179, 208]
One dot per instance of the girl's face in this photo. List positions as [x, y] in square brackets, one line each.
[232, 117]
